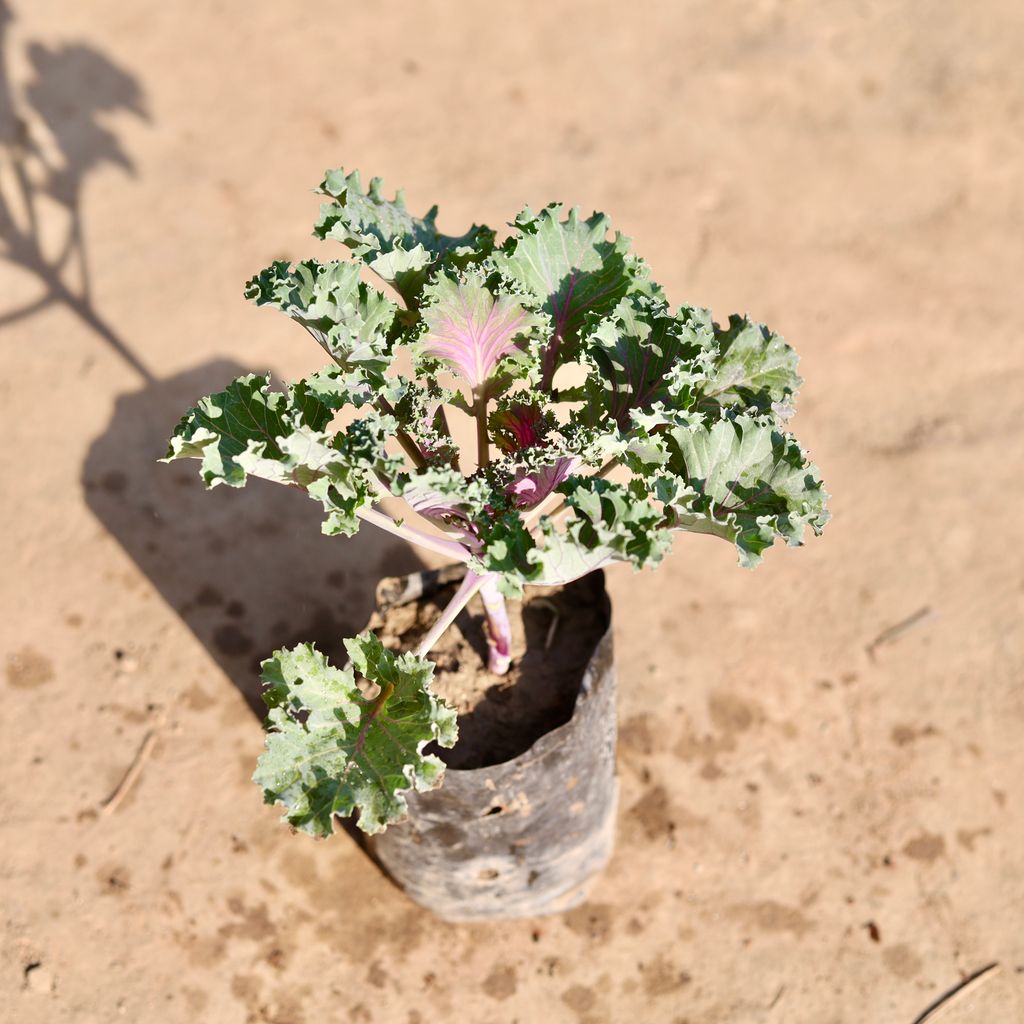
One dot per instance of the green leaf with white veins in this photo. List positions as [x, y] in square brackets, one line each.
[641, 355]
[332, 751]
[741, 479]
[573, 268]
[400, 248]
[347, 317]
[250, 430]
[224, 425]
[755, 369]
[612, 522]
[338, 470]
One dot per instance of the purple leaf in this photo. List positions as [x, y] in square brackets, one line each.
[531, 487]
[519, 426]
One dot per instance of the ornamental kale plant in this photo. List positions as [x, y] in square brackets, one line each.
[574, 367]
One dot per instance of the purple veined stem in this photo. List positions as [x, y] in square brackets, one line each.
[470, 585]
[499, 629]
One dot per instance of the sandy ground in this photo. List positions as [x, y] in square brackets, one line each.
[821, 821]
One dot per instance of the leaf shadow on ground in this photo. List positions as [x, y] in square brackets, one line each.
[247, 570]
[55, 131]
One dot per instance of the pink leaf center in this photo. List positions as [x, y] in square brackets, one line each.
[471, 331]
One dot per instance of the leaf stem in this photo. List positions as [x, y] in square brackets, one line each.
[482, 440]
[470, 585]
[405, 439]
[440, 546]
[499, 629]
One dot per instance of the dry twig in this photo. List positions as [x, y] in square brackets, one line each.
[543, 602]
[959, 990]
[890, 634]
[131, 776]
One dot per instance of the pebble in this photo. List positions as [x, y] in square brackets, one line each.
[39, 979]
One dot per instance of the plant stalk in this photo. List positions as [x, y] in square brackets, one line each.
[482, 440]
[440, 546]
[470, 585]
[406, 440]
[499, 629]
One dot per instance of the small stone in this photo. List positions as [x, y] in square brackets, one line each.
[38, 979]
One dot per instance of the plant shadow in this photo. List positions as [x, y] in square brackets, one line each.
[54, 133]
[247, 572]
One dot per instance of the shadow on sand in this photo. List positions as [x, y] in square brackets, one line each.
[52, 137]
[247, 570]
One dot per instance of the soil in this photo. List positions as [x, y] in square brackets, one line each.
[821, 818]
[555, 631]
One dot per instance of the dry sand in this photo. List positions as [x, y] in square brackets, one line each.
[821, 822]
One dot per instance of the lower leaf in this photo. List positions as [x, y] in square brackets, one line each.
[333, 751]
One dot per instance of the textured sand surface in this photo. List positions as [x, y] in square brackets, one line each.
[813, 830]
